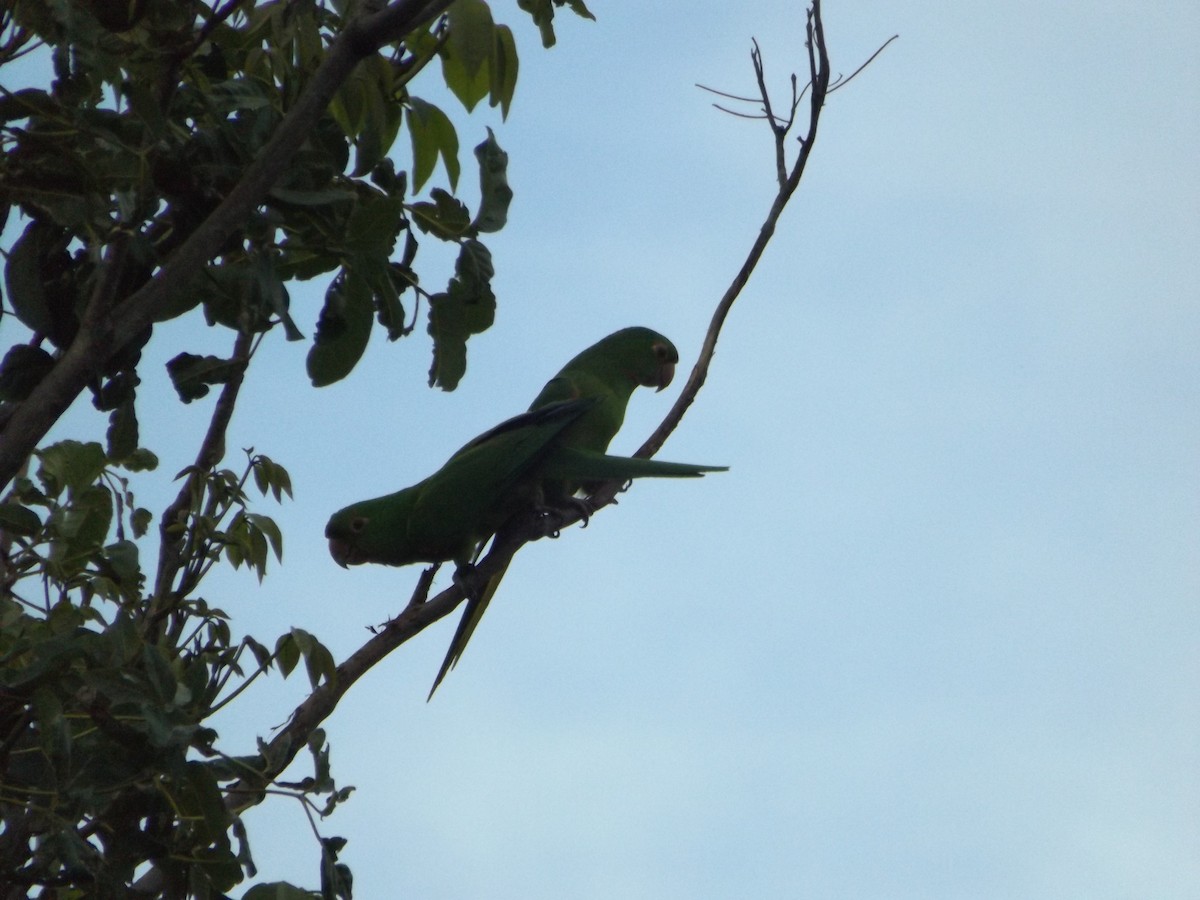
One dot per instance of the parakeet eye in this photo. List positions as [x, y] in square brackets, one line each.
[358, 523]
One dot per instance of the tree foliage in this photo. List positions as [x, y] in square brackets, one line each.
[194, 159]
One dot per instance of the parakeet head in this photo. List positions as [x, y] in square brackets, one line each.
[374, 531]
[646, 357]
[343, 530]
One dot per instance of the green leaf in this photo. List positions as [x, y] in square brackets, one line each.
[318, 661]
[433, 135]
[287, 653]
[145, 105]
[470, 36]
[17, 519]
[23, 278]
[270, 476]
[279, 890]
[348, 107]
[78, 531]
[467, 54]
[23, 367]
[28, 103]
[542, 12]
[199, 799]
[242, 295]
[446, 217]
[494, 193]
[319, 664]
[504, 70]
[275, 295]
[579, 8]
[257, 552]
[342, 330]
[158, 672]
[70, 465]
[118, 389]
[474, 270]
[140, 521]
[380, 120]
[374, 225]
[467, 307]
[241, 94]
[192, 375]
[122, 557]
[122, 431]
[140, 460]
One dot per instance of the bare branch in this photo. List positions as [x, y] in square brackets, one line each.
[840, 82]
[740, 115]
[726, 95]
[819, 82]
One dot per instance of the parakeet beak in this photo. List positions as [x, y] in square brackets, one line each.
[666, 372]
[340, 551]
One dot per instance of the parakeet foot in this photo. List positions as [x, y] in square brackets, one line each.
[553, 517]
[466, 580]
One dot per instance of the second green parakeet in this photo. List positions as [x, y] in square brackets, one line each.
[606, 373]
[448, 515]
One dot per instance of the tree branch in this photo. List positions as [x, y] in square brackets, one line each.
[34, 416]
[320, 704]
[819, 82]
[211, 452]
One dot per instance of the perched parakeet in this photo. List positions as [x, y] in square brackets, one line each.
[607, 373]
[452, 512]
[447, 516]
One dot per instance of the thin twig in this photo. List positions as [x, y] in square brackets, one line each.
[840, 82]
[727, 95]
[740, 115]
[211, 452]
[819, 69]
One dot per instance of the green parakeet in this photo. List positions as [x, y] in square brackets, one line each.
[606, 373]
[609, 371]
[447, 516]
[452, 512]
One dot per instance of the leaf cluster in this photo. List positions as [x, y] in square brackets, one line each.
[106, 758]
[154, 113]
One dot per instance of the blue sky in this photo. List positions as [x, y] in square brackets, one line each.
[935, 633]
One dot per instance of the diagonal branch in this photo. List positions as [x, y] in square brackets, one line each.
[212, 451]
[819, 71]
[320, 704]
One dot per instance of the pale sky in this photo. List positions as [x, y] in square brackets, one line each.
[935, 634]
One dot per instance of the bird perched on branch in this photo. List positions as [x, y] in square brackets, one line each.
[535, 462]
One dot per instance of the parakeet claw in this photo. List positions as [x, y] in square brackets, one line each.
[466, 580]
[551, 517]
